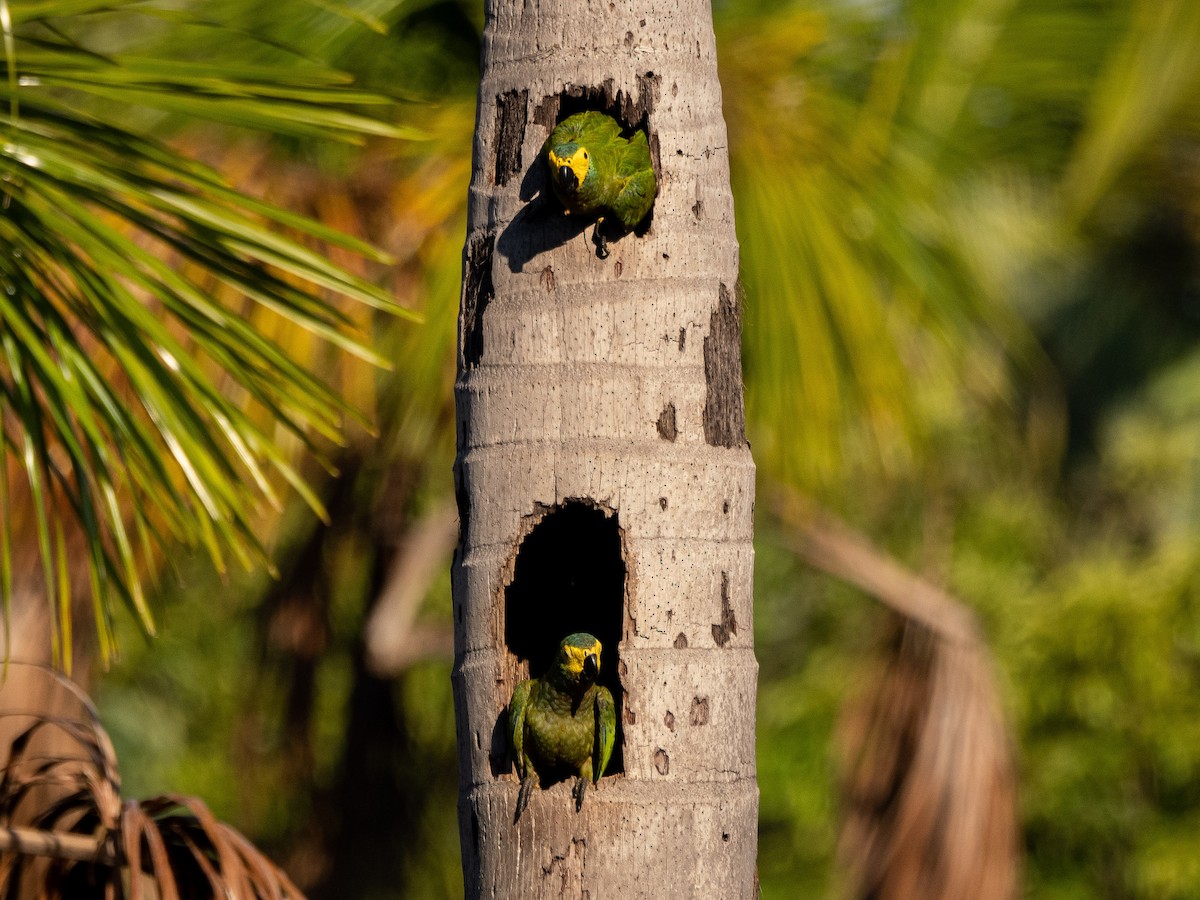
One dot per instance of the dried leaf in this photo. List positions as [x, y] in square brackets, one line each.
[170, 843]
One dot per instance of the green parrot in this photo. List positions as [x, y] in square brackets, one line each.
[563, 723]
[594, 170]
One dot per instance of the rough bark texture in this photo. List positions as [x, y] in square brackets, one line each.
[603, 476]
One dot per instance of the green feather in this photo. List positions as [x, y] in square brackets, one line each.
[516, 725]
[606, 730]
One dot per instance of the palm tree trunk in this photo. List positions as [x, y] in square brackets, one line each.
[603, 476]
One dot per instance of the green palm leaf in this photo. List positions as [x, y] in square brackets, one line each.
[851, 283]
[140, 404]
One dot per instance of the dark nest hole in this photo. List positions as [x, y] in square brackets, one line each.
[632, 118]
[570, 576]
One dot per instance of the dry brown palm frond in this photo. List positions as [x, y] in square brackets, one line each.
[393, 637]
[928, 785]
[928, 788]
[64, 831]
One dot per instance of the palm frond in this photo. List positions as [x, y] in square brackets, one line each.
[1150, 74]
[852, 281]
[66, 807]
[140, 400]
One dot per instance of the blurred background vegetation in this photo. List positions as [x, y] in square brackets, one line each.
[970, 236]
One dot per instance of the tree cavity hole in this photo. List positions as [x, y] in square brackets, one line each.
[569, 576]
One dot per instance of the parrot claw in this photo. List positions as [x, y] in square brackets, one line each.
[600, 240]
[528, 783]
[578, 791]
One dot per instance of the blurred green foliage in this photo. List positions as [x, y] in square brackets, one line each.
[972, 327]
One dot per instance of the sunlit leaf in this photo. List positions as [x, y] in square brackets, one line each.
[142, 398]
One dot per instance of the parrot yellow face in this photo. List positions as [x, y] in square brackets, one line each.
[581, 659]
[571, 168]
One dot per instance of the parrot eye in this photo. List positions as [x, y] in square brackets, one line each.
[585, 156]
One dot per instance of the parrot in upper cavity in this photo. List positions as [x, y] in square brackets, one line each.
[596, 171]
[563, 723]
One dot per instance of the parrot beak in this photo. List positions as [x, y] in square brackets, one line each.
[568, 179]
[591, 667]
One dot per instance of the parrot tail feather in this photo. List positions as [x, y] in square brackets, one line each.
[578, 792]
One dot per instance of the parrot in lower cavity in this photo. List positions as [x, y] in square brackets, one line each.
[563, 723]
[594, 170]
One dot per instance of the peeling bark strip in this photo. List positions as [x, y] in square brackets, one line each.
[727, 627]
[511, 110]
[462, 498]
[666, 423]
[724, 412]
[639, 110]
[477, 294]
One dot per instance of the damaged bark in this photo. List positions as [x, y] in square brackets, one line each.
[724, 411]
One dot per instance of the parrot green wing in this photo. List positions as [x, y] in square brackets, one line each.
[638, 184]
[606, 731]
[634, 158]
[635, 199]
[516, 725]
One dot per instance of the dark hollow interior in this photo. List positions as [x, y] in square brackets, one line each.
[579, 101]
[569, 576]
